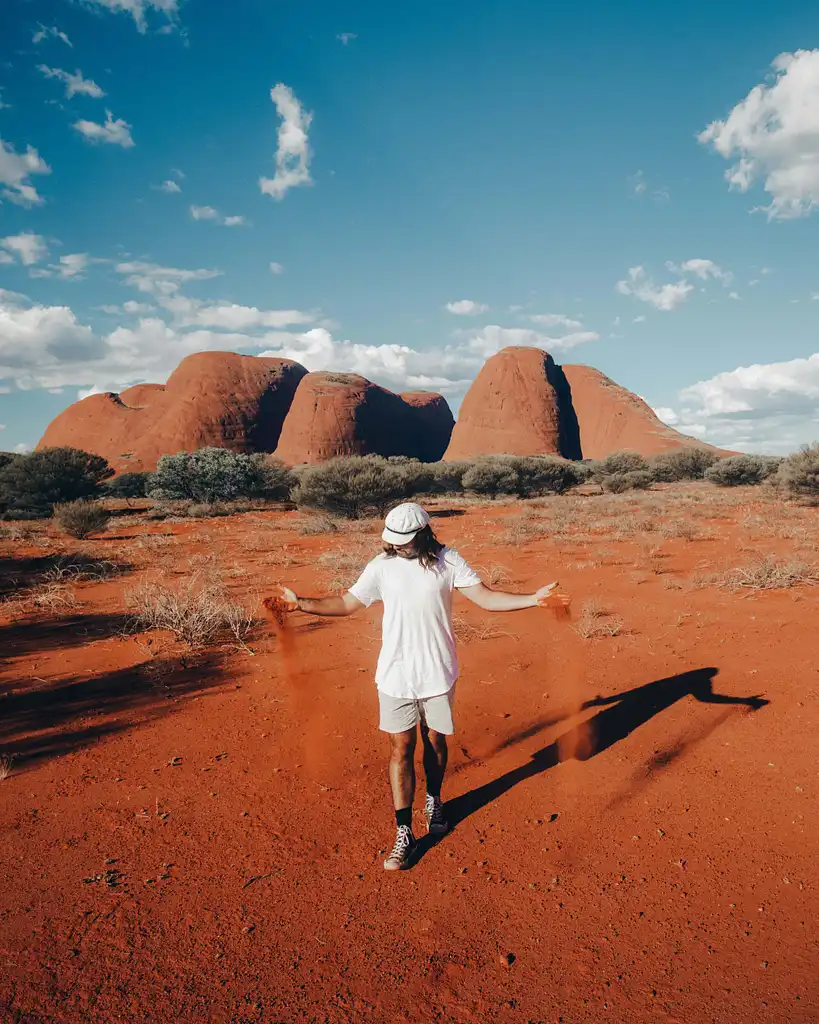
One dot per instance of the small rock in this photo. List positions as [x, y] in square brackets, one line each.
[507, 959]
[249, 928]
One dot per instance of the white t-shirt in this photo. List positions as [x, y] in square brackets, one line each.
[418, 657]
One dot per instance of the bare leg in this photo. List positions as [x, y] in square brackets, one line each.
[402, 768]
[435, 758]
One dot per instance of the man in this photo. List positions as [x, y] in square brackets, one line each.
[414, 577]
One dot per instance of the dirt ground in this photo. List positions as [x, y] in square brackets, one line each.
[198, 835]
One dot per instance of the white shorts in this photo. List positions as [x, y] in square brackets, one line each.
[399, 714]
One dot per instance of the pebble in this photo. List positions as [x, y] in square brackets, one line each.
[507, 959]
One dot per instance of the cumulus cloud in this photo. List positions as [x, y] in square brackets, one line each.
[115, 132]
[466, 307]
[211, 213]
[233, 317]
[157, 280]
[72, 265]
[771, 137]
[16, 170]
[555, 320]
[276, 268]
[169, 186]
[27, 247]
[666, 414]
[138, 9]
[703, 269]
[293, 151]
[665, 297]
[52, 32]
[766, 407]
[75, 85]
[492, 338]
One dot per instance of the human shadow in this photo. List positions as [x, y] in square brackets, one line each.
[622, 713]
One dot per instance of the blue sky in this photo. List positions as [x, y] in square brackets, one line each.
[403, 190]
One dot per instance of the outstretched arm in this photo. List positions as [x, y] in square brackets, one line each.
[335, 606]
[500, 601]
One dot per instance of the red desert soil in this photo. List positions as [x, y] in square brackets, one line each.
[196, 837]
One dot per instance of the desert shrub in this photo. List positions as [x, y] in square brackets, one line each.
[312, 526]
[81, 518]
[277, 479]
[491, 477]
[622, 462]
[214, 474]
[31, 485]
[448, 476]
[128, 485]
[738, 470]
[683, 464]
[634, 480]
[523, 476]
[799, 473]
[353, 486]
[197, 610]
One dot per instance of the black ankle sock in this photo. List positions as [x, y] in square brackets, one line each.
[404, 817]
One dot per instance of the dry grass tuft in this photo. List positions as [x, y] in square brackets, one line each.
[681, 528]
[494, 575]
[765, 573]
[6, 762]
[197, 610]
[595, 622]
[344, 565]
[311, 526]
[78, 568]
[466, 633]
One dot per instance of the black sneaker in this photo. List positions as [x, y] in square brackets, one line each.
[437, 825]
[402, 852]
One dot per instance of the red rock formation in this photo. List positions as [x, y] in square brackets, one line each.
[612, 419]
[345, 414]
[431, 424]
[212, 398]
[514, 408]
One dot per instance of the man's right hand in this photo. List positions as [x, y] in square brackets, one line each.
[288, 597]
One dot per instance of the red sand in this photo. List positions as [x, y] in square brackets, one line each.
[648, 857]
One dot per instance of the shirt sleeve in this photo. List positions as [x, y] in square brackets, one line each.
[463, 575]
[367, 587]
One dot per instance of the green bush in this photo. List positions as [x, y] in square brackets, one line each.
[799, 473]
[448, 476]
[31, 485]
[622, 462]
[682, 464]
[217, 474]
[356, 485]
[81, 518]
[524, 476]
[633, 480]
[738, 470]
[128, 485]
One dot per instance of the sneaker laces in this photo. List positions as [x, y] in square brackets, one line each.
[403, 840]
[434, 808]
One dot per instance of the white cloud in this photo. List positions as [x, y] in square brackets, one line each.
[157, 280]
[117, 133]
[42, 336]
[204, 213]
[139, 8]
[639, 320]
[492, 338]
[702, 269]
[771, 135]
[23, 448]
[276, 268]
[293, 151]
[733, 295]
[53, 32]
[666, 414]
[211, 213]
[233, 317]
[27, 247]
[466, 307]
[640, 187]
[168, 186]
[15, 171]
[345, 38]
[764, 407]
[75, 85]
[177, 173]
[137, 307]
[665, 297]
[555, 320]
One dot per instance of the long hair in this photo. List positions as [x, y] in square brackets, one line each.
[425, 547]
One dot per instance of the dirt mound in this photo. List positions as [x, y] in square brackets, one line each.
[516, 406]
[212, 398]
[346, 414]
[612, 419]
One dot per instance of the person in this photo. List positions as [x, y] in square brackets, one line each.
[414, 577]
